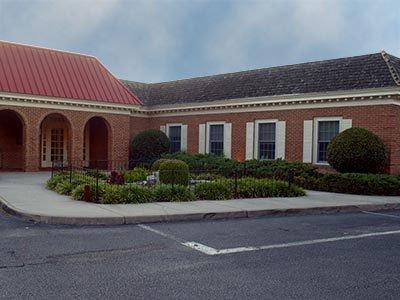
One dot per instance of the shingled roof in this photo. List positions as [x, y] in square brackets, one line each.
[40, 71]
[376, 70]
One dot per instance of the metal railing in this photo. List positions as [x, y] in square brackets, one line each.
[112, 172]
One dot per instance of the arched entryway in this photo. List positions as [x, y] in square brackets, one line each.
[55, 140]
[12, 145]
[96, 143]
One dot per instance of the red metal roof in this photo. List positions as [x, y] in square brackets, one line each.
[46, 72]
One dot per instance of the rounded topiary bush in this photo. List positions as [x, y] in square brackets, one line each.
[149, 145]
[156, 165]
[174, 171]
[357, 150]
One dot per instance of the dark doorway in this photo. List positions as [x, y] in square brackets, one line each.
[12, 148]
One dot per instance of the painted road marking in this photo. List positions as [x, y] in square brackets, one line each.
[169, 236]
[213, 251]
[380, 214]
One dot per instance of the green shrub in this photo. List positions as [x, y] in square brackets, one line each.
[119, 194]
[172, 193]
[206, 176]
[264, 188]
[135, 175]
[78, 192]
[246, 188]
[156, 165]
[113, 194]
[174, 171]
[149, 145]
[64, 187]
[96, 174]
[214, 190]
[209, 163]
[214, 164]
[54, 181]
[138, 194]
[357, 150]
[353, 183]
[64, 183]
[277, 169]
[75, 178]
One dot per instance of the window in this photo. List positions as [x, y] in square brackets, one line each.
[44, 148]
[57, 144]
[266, 140]
[175, 136]
[217, 139]
[327, 130]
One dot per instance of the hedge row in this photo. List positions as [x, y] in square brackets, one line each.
[353, 183]
[132, 193]
[86, 189]
[246, 188]
[213, 164]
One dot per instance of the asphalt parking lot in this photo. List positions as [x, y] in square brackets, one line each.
[295, 257]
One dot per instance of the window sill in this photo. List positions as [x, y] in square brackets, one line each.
[321, 164]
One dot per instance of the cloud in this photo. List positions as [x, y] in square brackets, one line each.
[263, 33]
[58, 23]
[158, 40]
[152, 41]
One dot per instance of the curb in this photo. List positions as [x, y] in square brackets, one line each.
[179, 217]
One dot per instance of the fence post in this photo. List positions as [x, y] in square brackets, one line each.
[96, 197]
[290, 177]
[70, 173]
[52, 169]
[236, 184]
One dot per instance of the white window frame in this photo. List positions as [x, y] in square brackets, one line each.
[256, 135]
[46, 134]
[208, 124]
[168, 125]
[315, 137]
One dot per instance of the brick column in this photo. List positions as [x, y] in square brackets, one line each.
[32, 145]
[77, 136]
[119, 138]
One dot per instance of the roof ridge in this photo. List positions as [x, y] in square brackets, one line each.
[46, 48]
[393, 72]
[257, 69]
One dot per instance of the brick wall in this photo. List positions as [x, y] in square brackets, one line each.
[383, 120]
[118, 137]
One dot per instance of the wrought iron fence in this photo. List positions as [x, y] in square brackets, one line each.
[96, 172]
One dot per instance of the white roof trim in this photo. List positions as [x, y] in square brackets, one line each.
[382, 96]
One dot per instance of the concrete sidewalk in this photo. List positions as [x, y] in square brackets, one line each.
[25, 195]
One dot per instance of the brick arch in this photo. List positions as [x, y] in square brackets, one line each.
[12, 140]
[97, 141]
[47, 119]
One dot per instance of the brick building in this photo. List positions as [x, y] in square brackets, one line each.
[56, 105]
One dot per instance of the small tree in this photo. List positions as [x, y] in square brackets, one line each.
[149, 145]
[357, 150]
[174, 171]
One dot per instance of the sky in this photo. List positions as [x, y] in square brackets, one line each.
[163, 40]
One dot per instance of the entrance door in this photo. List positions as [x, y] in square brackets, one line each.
[54, 142]
[12, 146]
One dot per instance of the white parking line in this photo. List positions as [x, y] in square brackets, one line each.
[169, 236]
[213, 251]
[380, 214]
